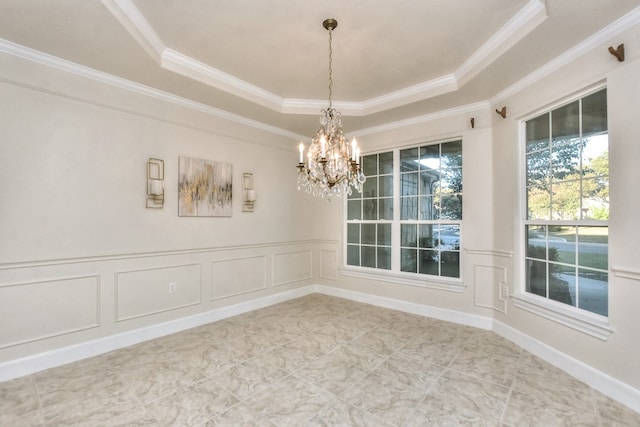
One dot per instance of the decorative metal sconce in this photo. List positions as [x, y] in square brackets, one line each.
[503, 112]
[248, 193]
[155, 177]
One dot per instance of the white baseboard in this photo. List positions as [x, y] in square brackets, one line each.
[600, 381]
[410, 307]
[61, 356]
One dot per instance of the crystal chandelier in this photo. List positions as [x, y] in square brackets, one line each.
[332, 166]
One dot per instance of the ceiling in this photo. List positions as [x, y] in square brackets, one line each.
[267, 60]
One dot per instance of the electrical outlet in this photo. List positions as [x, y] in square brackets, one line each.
[505, 290]
[172, 287]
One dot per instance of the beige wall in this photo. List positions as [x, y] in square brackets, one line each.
[617, 355]
[81, 258]
[491, 226]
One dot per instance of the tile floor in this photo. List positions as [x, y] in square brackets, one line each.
[314, 361]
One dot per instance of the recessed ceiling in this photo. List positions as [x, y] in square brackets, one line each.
[267, 60]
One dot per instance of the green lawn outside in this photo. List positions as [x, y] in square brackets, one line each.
[587, 234]
[588, 260]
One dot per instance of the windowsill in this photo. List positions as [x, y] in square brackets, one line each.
[589, 323]
[442, 284]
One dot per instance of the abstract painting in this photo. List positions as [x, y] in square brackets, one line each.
[204, 187]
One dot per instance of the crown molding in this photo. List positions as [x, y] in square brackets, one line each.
[302, 106]
[32, 55]
[601, 37]
[518, 27]
[45, 59]
[419, 92]
[412, 121]
[528, 18]
[136, 24]
[314, 106]
[177, 62]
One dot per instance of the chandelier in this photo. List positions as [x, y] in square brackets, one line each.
[332, 166]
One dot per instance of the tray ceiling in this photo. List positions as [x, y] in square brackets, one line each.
[267, 60]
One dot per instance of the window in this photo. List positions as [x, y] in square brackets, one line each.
[567, 204]
[408, 217]
[369, 215]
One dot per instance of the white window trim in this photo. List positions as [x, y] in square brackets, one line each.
[444, 283]
[426, 281]
[583, 321]
[589, 323]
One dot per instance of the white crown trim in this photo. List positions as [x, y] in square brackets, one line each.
[134, 22]
[528, 18]
[314, 106]
[463, 109]
[291, 106]
[617, 27]
[196, 70]
[29, 54]
[418, 92]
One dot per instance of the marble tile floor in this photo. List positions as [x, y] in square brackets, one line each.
[313, 361]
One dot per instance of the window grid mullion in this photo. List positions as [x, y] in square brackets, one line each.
[579, 267]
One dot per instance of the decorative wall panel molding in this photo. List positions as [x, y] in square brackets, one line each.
[627, 273]
[44, 303]
[165, 253]
[489, 285]
[238, 276]
[290, 267]
[32, 311]
[328, 263]
[154, 290]
[489, 252]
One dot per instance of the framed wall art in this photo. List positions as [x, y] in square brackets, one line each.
[204, 187]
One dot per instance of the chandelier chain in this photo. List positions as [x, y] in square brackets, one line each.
[330, 68]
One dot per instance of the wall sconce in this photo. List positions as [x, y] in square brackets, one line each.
[155, 177]
[248, 193]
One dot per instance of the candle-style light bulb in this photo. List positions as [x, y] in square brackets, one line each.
[354, 149]
[301, 148]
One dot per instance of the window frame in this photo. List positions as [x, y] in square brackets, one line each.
[395, 274]
[576, 318]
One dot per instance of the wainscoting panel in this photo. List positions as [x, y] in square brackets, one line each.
[328, 263]
[154, 290]
[34, 311]
[48, 304]
[238, 276]
[488, 281]
[292, 267]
